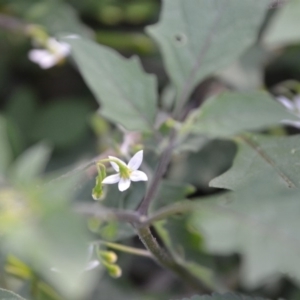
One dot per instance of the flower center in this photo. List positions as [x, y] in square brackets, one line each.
[124, 172]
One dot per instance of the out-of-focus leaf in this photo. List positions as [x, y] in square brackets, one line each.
[185, 245]
[227, 296]
[30, 164]
[231, 113]
[170, 192]
[198, 38]
[45, 234]
[5, 149]
[63, 123]
[276, 156]
[246, 73]
[126, 93]
[127, 42]
[284, 28]
[58, 17]
[260, 222]
[8, 295]
[201, 167]
[21, 108]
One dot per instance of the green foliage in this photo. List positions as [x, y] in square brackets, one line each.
[198, 38]
[284, 29]
[278, 157]
[231, 113]
[260, 222]
[62, 123]
[57, 16]
[5, 149]
[126, 94]
[227, 296]
[50, 226]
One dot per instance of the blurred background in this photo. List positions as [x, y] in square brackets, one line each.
[55, 106]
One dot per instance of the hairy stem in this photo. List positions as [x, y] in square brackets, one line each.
[165, 259]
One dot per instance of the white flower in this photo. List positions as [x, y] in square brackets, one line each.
[292, 106]
[126, 173]
[47, 58]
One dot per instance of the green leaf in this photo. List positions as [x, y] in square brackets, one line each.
[171, 192]
[127, 94]
[231, 113]
[8, 295]
[227, 296]
[198, 37]
[260, 222]
[201, 167]
[5, 149]
[47, 235]
[30, 164]
[284, 28]
[276, 156]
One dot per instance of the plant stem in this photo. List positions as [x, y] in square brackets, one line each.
[159, 173]
[165, 259]
[131, 250]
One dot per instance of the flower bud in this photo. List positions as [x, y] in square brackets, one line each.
[114, 270]
[109, 256]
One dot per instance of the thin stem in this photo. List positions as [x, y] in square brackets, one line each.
[166, 260]
[131, 250]
[97, 211]
[159, 173]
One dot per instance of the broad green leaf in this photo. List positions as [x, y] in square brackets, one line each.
[246, 73]
[30, 164]
[5, 149]
[227, 296]
[231, 113]
[276, 156]
[260, 222]
[9, 295]
[127, 94]
[284, 28]
[199, 37]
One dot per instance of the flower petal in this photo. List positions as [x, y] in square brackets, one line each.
[59, 48]
[115, 165]
[138, 176]
[286, 102]
[136, 160]
[297, 103]
[43, 58]
[124, 184]
[111, 179]
[92, 265]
